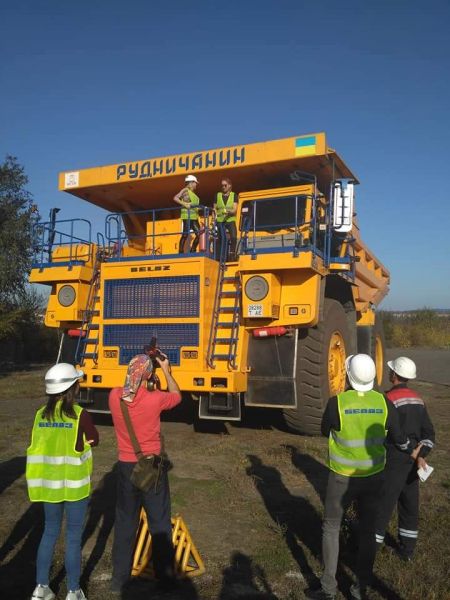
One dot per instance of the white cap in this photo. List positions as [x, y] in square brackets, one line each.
[404, 367]
[361, 372]
[61, 377]
[190, 178]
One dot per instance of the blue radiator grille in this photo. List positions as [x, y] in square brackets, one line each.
[131, 339]
[148, 297]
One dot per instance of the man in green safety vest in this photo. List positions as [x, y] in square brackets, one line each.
[188, 199]
[226, 207]
[356, 423]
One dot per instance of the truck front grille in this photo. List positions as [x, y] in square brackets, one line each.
[152, 297]
[131, 339]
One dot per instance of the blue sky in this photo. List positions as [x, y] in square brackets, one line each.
[91, 83]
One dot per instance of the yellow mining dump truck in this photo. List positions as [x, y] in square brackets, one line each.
[271, 328]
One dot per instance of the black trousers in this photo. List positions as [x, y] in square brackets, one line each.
[157, 507]
[222, 229]
[187, 226]
[401, 488]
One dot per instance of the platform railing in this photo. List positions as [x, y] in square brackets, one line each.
[47, 236]
[151, 242]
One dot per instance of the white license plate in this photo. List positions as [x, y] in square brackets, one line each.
[255, 310]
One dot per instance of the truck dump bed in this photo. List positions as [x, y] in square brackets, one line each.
[151, 183]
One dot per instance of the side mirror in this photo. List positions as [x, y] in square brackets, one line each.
[343, 194]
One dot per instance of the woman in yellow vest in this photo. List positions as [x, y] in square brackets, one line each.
[58, 474]
[188, 199]
[226, 208]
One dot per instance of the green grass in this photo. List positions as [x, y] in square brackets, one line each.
[23, 384]
[250, 502]
[205, 491]
[424, 328]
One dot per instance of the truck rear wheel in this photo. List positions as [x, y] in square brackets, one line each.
[320, 372]
[371, 342]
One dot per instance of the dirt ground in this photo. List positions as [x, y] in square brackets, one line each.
[251, 495]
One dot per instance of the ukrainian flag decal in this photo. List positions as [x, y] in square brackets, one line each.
[305, 146]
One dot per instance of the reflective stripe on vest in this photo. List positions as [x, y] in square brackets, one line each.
[403, 396]
[192, 212]
[59, 460]
[357, 463]
[55, 471]
[222, 207]
[357, 443]
[357, 450]
[58, 484]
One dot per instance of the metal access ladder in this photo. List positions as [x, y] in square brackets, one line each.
[224, 337]
[87, 347]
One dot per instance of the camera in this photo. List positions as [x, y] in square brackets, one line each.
[153, 352]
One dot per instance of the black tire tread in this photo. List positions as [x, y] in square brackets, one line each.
[312, 372]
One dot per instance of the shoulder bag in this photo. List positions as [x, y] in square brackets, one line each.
[148, 469]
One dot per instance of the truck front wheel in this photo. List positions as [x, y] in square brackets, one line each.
[371, 342]
[320, 369]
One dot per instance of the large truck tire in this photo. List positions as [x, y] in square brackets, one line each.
[371, 341]
[320, 370]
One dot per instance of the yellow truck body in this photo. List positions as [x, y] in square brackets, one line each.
[271, 327]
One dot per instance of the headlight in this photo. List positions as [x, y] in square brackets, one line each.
[66, 295]
[256, 288]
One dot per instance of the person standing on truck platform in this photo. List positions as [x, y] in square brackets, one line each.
[58, 474]
[355, 423]
[188, 199]
[225, 207]
[401, 485]
[144, 408]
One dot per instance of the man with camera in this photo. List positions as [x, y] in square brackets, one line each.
[136, 410]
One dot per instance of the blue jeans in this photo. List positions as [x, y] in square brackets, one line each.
[75, 513]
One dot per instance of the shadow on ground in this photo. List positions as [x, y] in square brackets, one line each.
[317, 475]
[10, 470]
[245, 579]
[294, 515]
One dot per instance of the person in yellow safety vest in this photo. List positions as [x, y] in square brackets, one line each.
[58, 474]
[188, 199]
[225, 207]
[356, 423]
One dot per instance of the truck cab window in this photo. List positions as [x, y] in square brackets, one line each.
[272, 214]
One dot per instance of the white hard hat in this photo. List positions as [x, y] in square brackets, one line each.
[361, 372]
[189, 178]
[403, 366]
[61, 377]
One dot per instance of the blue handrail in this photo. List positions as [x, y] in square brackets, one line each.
[117, 237]
[48, 235]
[320, 239]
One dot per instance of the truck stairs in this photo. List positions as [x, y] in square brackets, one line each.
[87, 347]
[222, 347]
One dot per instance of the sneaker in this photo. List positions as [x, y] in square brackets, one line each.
[42, 592]
[319, 594]
[76, 595]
